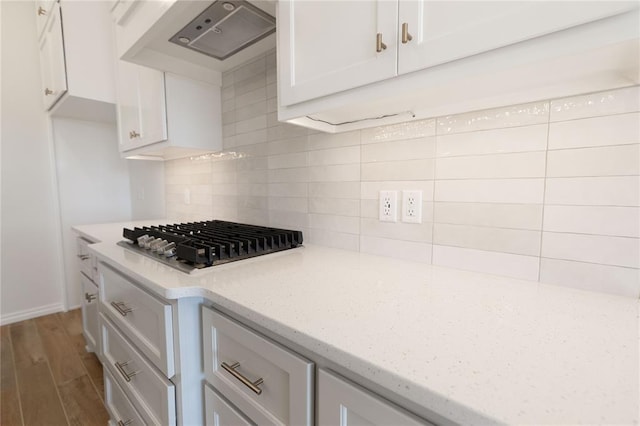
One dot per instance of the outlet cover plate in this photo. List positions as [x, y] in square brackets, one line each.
[412, 206]
[388, 205]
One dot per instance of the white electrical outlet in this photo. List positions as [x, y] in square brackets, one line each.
[388, 206]
[412, 206]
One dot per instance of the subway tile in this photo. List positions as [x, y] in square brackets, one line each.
[371, 190]
[422, 169]
[228, 105]
[621, 160]
[272, 105]
[592, 277]
[229, 142]
[394, 132]
[521, 191]
[272, 119]
[506, 264]
[250, 69]
[290, 204]
[272, 90]
[335, 206]
[333, 140]
[514, 241]
[227, 93]
[257, 95]
[616, 251]
[251, 164]
[495, 141]
[252, 176]
[249, 84]
[253, 146]
[227, 79]
[250, 138]
[598, 131]
[271, 59]
[253, 202]
[288, 220]
[228, 117]
[288, 190]
[223, 177]
[602, 103]
[226, 189]
[288, 146]
[599, 220]
[335, 223]
[252, 189]
[324, 157]
[254, 217]
[251, 124]
[515, 216]
[299, 174]
[411, 149]
[228, 130]
[406, 250]
[495, 166]
[511, 116]
[287, 161]
[272, 75]
[251, 111]
[334, 189]
[339, 240]
[335, 173]
[397, 231]
[285, 131]
[596, 191]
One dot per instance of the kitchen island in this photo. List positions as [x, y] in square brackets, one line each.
[447, 345]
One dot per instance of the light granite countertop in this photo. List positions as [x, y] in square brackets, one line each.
[473, 348]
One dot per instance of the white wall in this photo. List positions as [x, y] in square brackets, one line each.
[93, 186]
[31, 273]
[147, 189]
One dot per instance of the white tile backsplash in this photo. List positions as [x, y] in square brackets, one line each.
[545, 191]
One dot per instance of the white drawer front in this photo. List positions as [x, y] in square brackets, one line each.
[120, 409]
[220, 413]
[142, 317]
[287, 389]
[88, 263]
[90, 313]
[346, 404]
[151, 393]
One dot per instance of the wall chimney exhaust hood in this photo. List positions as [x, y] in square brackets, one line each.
[195, 38]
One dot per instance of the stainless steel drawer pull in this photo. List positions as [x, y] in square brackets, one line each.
[121, 308]
[120, 367]
[90, 297]
[84, 256]
[125, 423]
[248, 383]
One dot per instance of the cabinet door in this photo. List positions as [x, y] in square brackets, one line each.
[52, 65]
[43, 11]
[443, 31]
[90, 313]
[220, 412]
[325, 47]
[342, 403]
[142, 116]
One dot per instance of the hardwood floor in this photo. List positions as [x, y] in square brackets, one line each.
[47, 377]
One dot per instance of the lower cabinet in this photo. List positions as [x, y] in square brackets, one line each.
[121, 410]
[90, 312]
[269, 384]
[221, 412]
[343, 403]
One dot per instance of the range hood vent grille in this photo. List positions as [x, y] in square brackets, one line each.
[225, 28]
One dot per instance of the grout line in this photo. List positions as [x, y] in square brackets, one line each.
[544, 193]
[433, 193]
[562, 259]
[15, 374]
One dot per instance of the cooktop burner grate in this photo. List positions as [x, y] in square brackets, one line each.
[202, 244]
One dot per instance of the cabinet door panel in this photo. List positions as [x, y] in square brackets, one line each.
[220, 412]
[346, 404]
[54, 74]
[90, 312]
[329, 46]
[142, 117]
[443, 31]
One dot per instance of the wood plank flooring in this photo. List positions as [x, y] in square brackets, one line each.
[47, 377]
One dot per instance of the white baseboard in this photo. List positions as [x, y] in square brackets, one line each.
[30, 313]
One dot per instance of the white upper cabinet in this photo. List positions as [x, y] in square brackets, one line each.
[163, 116]
[142, 116]
[52, 66]
[76, 59]
[436, 32]
[330, 46]
[354, 64]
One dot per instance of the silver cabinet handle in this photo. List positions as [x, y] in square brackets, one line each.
[133, 134]
[121, 308]
[90, 297]
[84, 256]
[120, 367]
[380, 46]
[125, 423]
[48, 92]
[406, 37]
[248, 383]
[41, 11]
